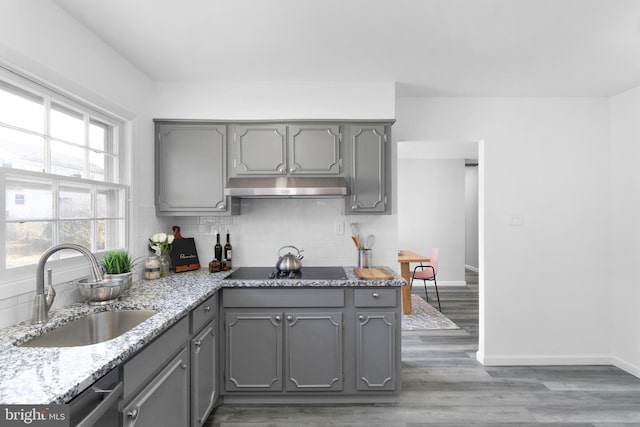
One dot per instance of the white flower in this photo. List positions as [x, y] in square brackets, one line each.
[170, 239]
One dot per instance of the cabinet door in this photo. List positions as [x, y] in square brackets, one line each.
[367, 169]
[253, 355]
[313, 351]
[315, 150]
[190, 168]
[260, 149]
[376, 351]
[165, 401]
[203, 374]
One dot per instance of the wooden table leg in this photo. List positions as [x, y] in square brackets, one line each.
[405, 272]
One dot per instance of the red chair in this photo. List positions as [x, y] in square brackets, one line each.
[428, 272]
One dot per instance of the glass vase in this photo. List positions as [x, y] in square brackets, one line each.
[165, 265]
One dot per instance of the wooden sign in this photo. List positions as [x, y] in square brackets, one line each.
[184, 256]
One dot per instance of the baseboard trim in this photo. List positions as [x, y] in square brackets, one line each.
[474, 269]
[448, 283]
[545, 360]
[627, 367]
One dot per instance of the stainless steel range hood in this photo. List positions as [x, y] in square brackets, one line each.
[286, 187]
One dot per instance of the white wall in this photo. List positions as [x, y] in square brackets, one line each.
[623, 277]
[40, 39]
[274, 100]
[544, 160]
[431, 212]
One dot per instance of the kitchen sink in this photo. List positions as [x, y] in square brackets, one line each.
[91, 329]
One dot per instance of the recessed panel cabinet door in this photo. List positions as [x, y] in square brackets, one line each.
[367, 163]
[376, 351]
[315, 150]
[314, 351]
[253, 351]
[203, 374]
[165, 401]
[190, 167]
[260, 149]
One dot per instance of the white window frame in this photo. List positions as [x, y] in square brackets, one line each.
[121, 138]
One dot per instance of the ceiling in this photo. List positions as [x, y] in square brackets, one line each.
[428, 47]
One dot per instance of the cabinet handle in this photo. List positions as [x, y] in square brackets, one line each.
[207, 309]
[197, 343]
[376, 295]
[222, 207]
[282, 170]
[289, 318]
[133, 414]
[361, 317]
[183, 365]
[277, 318]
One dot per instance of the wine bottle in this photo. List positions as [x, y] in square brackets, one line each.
[218, 248]
[227, 249]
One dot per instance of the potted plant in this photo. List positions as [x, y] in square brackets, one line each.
[118, 264]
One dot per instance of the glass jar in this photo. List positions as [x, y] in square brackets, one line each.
[165, 265]
[152, 267]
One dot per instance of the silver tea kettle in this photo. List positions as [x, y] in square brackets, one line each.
[289, 262]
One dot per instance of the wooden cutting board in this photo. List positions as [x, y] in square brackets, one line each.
[373, 274]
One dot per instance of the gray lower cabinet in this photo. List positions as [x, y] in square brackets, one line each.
[313, 356]
[376, 351]
[279, 149]
[253, 342]
[204, 361]
[191, 169]
[164, 401]
[368, 163]
[156, 381]
[311, 345]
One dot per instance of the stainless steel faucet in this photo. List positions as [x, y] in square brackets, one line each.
[42, 303]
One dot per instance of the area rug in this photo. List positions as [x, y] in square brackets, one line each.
[424, 316]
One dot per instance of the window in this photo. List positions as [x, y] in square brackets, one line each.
[60, 167]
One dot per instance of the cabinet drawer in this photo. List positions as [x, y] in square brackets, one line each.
[374, 297]
[283, 297]
[203, 314]
[142, 367]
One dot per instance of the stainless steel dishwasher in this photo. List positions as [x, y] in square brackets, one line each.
[97, 406]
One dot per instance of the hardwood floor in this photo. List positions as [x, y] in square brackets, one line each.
[443, 385]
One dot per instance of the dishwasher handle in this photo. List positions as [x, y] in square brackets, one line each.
[102, 407]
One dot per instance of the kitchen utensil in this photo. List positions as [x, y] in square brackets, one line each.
[356, 240]
[355, 229]
[289, 262]
[370, 241]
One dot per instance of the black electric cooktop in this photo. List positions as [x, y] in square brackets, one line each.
[305, 273]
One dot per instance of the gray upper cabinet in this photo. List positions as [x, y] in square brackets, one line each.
[315, 150]
[191, 169]
[260, 149]
[280, 149]
[368, 158]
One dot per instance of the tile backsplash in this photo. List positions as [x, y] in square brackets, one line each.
[311, 225]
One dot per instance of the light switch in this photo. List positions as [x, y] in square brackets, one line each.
[339, 227]
[516, 219]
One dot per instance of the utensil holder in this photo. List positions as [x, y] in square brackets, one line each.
[364, 258]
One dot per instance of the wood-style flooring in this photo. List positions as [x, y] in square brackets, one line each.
[443, 385]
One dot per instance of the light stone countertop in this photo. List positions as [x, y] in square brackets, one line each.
[40, 375]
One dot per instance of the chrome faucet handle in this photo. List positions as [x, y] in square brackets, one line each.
[51, 292]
